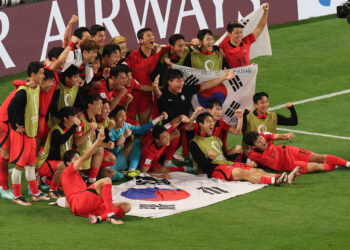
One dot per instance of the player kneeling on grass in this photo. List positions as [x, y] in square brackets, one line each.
[208, 152]
[286, 158]
[94, 201]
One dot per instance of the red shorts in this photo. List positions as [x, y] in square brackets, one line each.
[105, 154]
[224, 172]
[48, 168]
[23, 149]
[5, 135]
[43, 129]
[297, 157]
[142, 101]
[89, 202]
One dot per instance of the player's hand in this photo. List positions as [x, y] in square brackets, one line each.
[120, 141]
[236, 150]
[211, 155]
[252, 164]
[229, 74]
[239, 113]
[184, 119]
[128, 98]
[74, 39]
[106, 73]
[155, 83]
[290, 136]
[248, 109]
[195, 42]
[198, 110]
[76, 121]
[127, 133]
[93, 126]
[163, 116]
[167, 61]
[266, 6]
[122, 91]
[20, 129]
[31, 85]
[101, 135]
[111, 144]
[73, 19]
[111, 124]
[288, 105]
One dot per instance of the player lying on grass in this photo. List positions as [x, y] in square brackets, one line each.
[208, 152]
[94, 201]
[286, 158]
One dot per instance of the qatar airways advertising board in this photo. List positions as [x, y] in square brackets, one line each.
[27, 32]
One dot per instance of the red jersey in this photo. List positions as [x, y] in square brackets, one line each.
[45, 98]
[237, 56]
[134, 84]
[72, 183]
[3, 109]
[142, 66]
[150, 152]
[104, 90]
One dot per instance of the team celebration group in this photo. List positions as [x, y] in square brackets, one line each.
[95, 112]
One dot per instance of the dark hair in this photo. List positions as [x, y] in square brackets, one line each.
[68, 156]
[96, 28]
[110, 49]
[174, 74]
[34, 67]
[55, 52]
[98, 57]
[233, 25]
[250, 138]
[88, 44]
[201, 117]
[79, 32]
[115, 111]
[259, 96]
[174, 38]
[141, 32]
[157, 131]
[212, 102]
[121, 68]
[92, 97]
[65, 112]
[48, 74]
[201, 34]
[71, 71]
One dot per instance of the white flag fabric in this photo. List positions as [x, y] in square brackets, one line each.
[262, 45]
[233, 94]
[155, 198]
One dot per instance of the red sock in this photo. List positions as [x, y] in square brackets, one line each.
[171, 149]
[184, 142]
[33, 185]
[48, 181]
[265, 180]
[328, 167]
[4, 173]
[107, 197]
[333, 160]
[93, 172]
[276, 176]
[16, 190]
[53, 186]
[176, 169]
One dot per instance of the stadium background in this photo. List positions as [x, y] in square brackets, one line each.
[310, 58]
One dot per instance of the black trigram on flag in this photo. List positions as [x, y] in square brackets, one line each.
[235, 83]
[230, 112]
[191, 80]
[245, 22]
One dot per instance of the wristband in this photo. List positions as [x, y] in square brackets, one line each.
[72, 45]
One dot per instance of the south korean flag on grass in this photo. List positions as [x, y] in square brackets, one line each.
[236, 93]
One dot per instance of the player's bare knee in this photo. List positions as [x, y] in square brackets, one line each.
[126, 206]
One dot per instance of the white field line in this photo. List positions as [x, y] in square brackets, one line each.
[313, 99]
[317, 134]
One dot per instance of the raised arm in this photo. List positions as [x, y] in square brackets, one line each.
[229, 74]
[68, 30]
[263, 20]
[287, 136]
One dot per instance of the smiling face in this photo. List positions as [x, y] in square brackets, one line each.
[105, 111]
[216, 112]
[260, 143]
[89, 56]
[148, 40]
[178, 48]
[100, 38]
[38, 77]
[208, 43]
[236, 36]
[69, 122]
[96, 107]
[118, 81]
[175, 85]
[207, 126]
[120, 119]
[262, 106]
[164, 139]
[46, 85]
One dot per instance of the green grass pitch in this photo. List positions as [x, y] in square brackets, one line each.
[310, 58]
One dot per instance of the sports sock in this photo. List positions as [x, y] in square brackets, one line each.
[53, 186]
[93, 174]
[267, 180]
[4, 173]
[334, 160]
[16, 178]
[30, 176]
[135, 155]
[328, 167]
[184, 144]
[171, 149]
[106, 194]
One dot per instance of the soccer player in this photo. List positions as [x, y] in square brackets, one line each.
[143, 62]
[110, 56]
[23, 113]
[82, 33]
[98, 34]
[155, 145]
[59, 140]
[131, 151]
[85, 135]
[261, 120]
[235, 47]
[286, 158]
[212, 159]
[94, 201]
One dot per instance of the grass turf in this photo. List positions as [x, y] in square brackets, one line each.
[309, 59]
